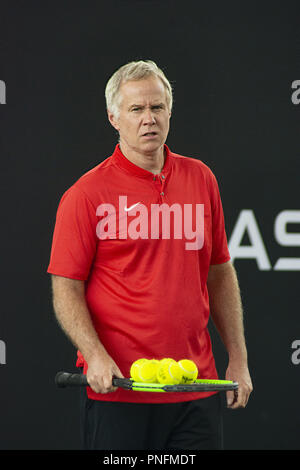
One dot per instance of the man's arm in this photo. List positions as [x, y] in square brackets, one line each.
[73, 316]
[227, 315]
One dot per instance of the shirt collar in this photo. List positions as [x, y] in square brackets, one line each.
[122, 162]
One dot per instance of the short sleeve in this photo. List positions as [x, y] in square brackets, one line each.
[74, 240]
[220, 253]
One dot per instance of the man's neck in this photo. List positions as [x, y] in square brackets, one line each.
[153, 162]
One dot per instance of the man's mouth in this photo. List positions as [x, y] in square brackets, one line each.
[149, 134]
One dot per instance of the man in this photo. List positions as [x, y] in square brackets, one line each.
[139, 260]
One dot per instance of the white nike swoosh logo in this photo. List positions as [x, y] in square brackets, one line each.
[131, 207]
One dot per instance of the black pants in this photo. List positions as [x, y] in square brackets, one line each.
[193, 425]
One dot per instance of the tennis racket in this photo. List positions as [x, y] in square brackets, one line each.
[65, 379]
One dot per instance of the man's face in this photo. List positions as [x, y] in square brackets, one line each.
[143, 122]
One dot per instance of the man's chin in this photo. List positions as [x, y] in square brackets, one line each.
[151, 147]
[146, 148]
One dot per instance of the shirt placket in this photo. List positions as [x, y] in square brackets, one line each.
[159, 181]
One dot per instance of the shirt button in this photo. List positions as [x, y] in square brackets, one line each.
[163, 177]
[162, 194]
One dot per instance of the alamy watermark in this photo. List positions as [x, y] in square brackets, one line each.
[2, 352]
[2, 343]
[186, 223]
[296, 94]
[295, 358]
[2, 92]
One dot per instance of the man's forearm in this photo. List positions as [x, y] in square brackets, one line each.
[226, 309]
[227, 314]
[73, 316]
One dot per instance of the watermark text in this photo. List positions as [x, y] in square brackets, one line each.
[2, 92]
[163, 222]
[295, 97]
[2, 352]
[295, 358]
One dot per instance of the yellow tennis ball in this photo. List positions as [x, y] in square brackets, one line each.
[169, 372]
[189, 371]
[165, 359]
[134, 369]
[147, 371]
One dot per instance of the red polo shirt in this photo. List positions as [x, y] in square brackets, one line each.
[143, 244]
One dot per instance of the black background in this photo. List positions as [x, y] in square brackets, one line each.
[231, 66]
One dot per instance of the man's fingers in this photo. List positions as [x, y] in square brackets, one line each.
[231, 397]
[117, 372]
[108, 385]
[101, 384]
[238, 398]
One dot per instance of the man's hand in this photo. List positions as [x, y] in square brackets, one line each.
[101, 369]
[238, 373]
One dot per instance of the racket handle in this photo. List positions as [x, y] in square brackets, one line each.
[65, 379]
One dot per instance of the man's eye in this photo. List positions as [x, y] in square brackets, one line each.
[136, 109]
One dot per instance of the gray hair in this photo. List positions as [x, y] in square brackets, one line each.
[134, 71]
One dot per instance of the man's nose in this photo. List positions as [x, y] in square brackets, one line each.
[148, 117]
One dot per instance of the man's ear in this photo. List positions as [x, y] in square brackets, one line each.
[113, 120]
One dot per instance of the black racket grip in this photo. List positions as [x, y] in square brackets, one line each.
[65, 379]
